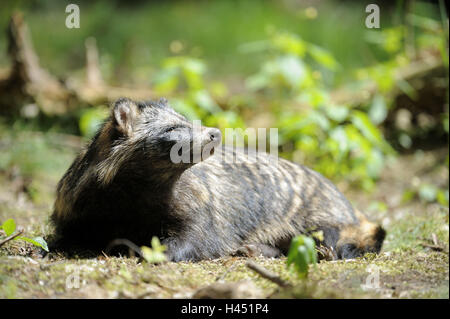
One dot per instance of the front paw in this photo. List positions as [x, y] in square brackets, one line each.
[247, 251]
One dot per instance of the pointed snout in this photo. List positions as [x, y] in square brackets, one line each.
[214, 135]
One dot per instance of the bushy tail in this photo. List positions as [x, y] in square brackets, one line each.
[355, 241]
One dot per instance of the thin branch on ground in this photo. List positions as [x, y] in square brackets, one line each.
[263, 272]
[432, 247]
[132, 247]
[11, 237]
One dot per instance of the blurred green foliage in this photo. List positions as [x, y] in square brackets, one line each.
[91, 120]
[183, 77]
[225, 62]
[22, 147]
[134, 38]
[338, 140]
[427, 193]
[302, 253]
[155, 254]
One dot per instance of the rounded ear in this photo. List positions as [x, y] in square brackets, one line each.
[125, 111]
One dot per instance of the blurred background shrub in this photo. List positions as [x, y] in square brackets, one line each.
[345, 98]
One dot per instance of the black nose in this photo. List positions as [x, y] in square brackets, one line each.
[215, 135]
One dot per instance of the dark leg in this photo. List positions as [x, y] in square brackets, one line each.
[254, 250]
[178, 250]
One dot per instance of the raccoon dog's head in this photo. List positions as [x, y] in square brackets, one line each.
[153, 133]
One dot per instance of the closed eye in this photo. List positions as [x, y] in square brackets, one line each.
[171, 128]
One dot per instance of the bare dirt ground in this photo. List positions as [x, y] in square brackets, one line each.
[413, 262]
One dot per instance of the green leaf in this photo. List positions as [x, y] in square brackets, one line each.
[292, 69]
[337, 113]
[152, 256]
[378, 109]
[205, 101]
[223, 120]
[311, 249]
[289, 43]
[156, 245]
[319, 119]
[37, 241]
[315, 97]
[302, 261]
[370, 131]
[322, 57]
[156, 253]
[301, 254]
[363, 123]
[186, 108]
[9, 226]
[339, 135]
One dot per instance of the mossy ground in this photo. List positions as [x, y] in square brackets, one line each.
[409, 266]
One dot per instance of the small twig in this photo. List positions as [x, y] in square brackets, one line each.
[11, 237]
[125, 242]
[433, 247]
[435, 244]
[104, 254]
[434, 239]
[263, 272]
[165, 287]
